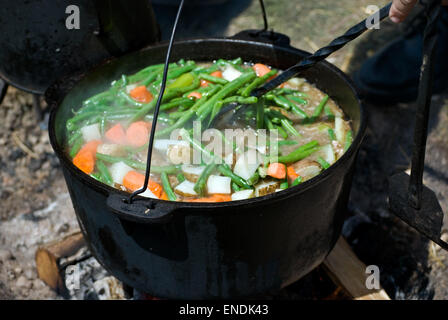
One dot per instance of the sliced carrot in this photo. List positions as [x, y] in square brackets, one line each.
[138, 133]
[116, 134]
[217, 74]
[164, 196]
[91, 146]
[141, 94]
[195, 94]
[134, 180]
[86, 157]
[214, 198]
[292, 175]
[277, 170]
[204, 83]
[261, 69]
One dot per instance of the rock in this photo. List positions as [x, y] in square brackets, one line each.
[5, 255]
[30, 274]
[23, 282]
[18, 271]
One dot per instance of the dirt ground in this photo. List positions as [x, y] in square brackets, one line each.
[36, 207]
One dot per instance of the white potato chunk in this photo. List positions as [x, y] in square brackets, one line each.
[307, 169]
[185, 189]
[179, 154]
[218, 184]
[118, 171]
[148, 194]
[266, 187]
[192, 173]
[163, 144]
[243, 195]
[230, 73]
[111, 149]
[247, 164]
[91, 132]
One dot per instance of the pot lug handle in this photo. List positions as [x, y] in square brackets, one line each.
[141, 210]
[264, 36]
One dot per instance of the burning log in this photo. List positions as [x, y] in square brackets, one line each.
[52, 259]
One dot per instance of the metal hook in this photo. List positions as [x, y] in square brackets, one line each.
[159, 101]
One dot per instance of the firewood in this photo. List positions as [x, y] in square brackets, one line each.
[49, 256]
[346, 270]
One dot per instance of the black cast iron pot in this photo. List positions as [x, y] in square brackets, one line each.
[216, 250]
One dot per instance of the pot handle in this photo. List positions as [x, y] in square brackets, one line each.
[141, 210]
[264, 36]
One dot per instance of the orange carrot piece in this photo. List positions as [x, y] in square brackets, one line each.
[217, 74]
[214, 198]
[138, 133]
[84, 161]
[116, 134]
[86, 157]
[141, 94]
[277, 170]
[204, 83]
[134, 180]
[164, 196]
[261, 69]
[292, 175]
[195, 94]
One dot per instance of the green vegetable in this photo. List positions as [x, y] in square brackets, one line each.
[324, 164]
[183, 81]
[331, 134]
[167, 187]
[289, 128]
[319, 108]
[297, 181]
[104, 171]
[348, 140]
[300, 153]
[76, 146]
[257, 82]
[206, 76]
[284, 185]
[201, 184]
[181, 177]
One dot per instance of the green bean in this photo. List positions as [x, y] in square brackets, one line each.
[288, 91]
[285, 103]
[175, 73]
[225, 170]
[201, 184]
[348, 140]
[281, 131]
[76, 146]
[206, 76]
[242, 100]
[230, 87]
[268, 122]
[177, 102]
[167, 187]
[323, 163]
[297, 181]
[235, 187]
[188, 114]
[104, 172]
[284, 185]
[180, 177]
[75, 136]
[151, 77]
[319, 108]
[289, 128]
[260, 115]
[331, 134]
[169, 94]
[184, 80]
[300, 153]
[208, 70]
[103, 125]
[297, 99]
[129, 99]
[100, 97]
[257, 82]
[162, 117]
[137, 165]
[97, 176]
[254, 179]
[328, 112]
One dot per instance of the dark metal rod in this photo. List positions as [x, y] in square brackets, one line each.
[351, 34]
[263, 12]
[423, 105]
[156, 110]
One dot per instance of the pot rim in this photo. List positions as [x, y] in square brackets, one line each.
[276, 196]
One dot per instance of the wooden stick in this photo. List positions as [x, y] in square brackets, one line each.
[47, 259]
[346, 270]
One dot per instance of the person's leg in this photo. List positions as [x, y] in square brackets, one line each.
[392, 74]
